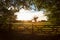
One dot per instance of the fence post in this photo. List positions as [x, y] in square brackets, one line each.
[32, 28]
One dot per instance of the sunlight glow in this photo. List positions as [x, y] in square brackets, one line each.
[29, 15]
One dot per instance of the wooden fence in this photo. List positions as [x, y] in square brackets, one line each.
[38, 29]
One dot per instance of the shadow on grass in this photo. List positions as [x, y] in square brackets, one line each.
[13, 35]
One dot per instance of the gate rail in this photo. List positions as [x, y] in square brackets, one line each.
[40, 29]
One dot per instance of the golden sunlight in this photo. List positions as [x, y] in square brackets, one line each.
[30, 14]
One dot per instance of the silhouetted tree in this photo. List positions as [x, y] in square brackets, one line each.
[35, 19]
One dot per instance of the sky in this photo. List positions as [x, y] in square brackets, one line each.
[26, 15]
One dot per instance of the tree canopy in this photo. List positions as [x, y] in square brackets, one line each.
[50, 5]
[7, 16]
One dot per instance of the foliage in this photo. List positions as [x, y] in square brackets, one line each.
[50, 5]
[6, 16]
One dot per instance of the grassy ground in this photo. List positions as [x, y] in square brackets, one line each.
[36, 28]
[23, 31]
[13, 35]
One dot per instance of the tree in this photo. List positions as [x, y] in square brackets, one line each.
[50, 5]
[35, 19]
[6, 16]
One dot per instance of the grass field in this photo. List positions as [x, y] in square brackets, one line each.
[31, 31]
[38, 28]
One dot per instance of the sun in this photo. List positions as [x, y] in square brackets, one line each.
[29, 15]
